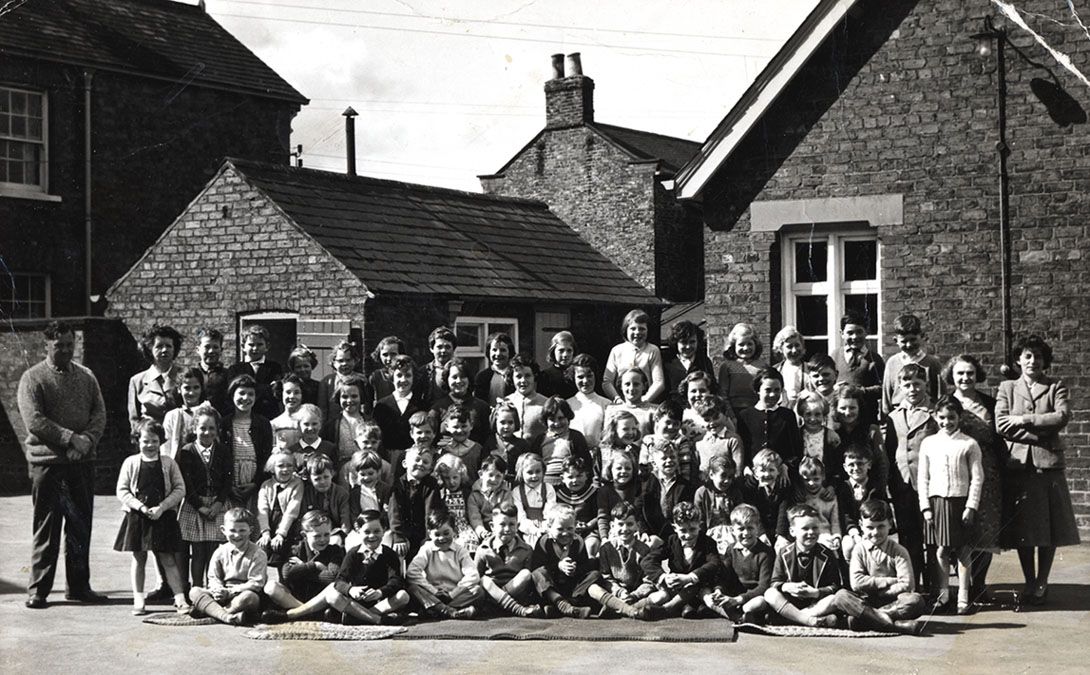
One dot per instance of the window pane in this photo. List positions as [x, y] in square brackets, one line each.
[816, 347]
[5, 125]
[18, 127]
[18, 103]
[866, 306]
[810, 261]
[860, 260]
[469, 335]
[812, 314]
[35, 107]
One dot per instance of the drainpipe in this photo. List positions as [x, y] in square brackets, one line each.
[88, 77]
[350, 138]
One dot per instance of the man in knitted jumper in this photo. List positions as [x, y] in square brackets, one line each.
[62, 408]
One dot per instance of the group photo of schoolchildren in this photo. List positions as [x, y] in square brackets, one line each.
[769, 485]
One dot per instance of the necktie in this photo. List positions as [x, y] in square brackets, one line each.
[277, 510]
[853, 361]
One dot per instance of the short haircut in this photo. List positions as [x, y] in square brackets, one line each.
[875, 509]
[710, 408]
[849, 391]
[812, 463]
[505, 407]
[768, 456]
[290, 378]
[308, 411]
[206, 409]
[255, 330]
[745, 514]
[1034, 343]
[912, 371]
[585, 361]
[950, 403]
[213, 334]
[313, 519]
[907, 324]
[622, 510]
[404, 363]
[369, 430]
[859, 451]
[239, 515]
[685, 512]
[796, 511]
[194, 373]
[151, 426]
[524, 460]
[368, 516]
[556, 513]
[695, 376]
[319, 462]
[438, 518]
[160, 331]
[661, 447]
[557, 406]
[354, 380]
[809, 399]
[442, 333]
[523, 360]
[767, 374]
[493, 462]
[852, 319]
[684, 330]
[346, 346]
[670, 409]
[457, 413]
[638, 371]
[366, 459]
[302, 353]
[575, 464]
[820, 362]
[241, 382]
[421, 419]
[742, 331]
[634, 316]
[275, 457]
[721, 461]
[505, 508]
[786, 333]
[948, 369]
[504, 338]
[55, 329]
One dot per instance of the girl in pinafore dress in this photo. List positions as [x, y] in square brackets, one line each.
[206, 468]
[454, 486]
[532, 497]
[249, 438]
[150, 487]
[950, 481]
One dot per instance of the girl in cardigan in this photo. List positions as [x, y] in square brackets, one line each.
[788, 344]
[768, 424]
[150, 487]
[248, 436]
[740, 365]
[206, 468]
[950, 481]
[559, 442]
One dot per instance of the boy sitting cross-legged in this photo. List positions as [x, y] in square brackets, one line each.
[881, 573]
[442, 576]
[691, 562]
[236, 573]
[746, 572]
[313, 565]
[627, 569]
[806, 579]
[503, 561]
[562, 572]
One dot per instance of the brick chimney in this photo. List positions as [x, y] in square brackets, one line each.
[569, 101]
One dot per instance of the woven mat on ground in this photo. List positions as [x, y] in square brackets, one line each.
[591, 630]
[173, 619]
[319, 630]
[808, 631]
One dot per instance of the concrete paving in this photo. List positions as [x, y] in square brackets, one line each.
[69, 637]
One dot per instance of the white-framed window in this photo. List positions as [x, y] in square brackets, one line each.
[827, 273]
[23, 141]
[473, 332]
[25, 296]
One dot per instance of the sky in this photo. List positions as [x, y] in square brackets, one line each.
[452, 89]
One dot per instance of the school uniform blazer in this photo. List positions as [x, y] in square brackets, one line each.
[767, 503]
[129, 476]
[215, 389]
[394, 423]
[1044, 409]
[705, 563]
[267, 373]
[260, 434]
[910, 427]
[848, 505]
[410, 506]
[777, 429]
[825, 574]
[150, 397]
[383, 573]
[334, 503]
[383, 491]
[649, 504]
[211, 480]
[867, 374]
[675, 374]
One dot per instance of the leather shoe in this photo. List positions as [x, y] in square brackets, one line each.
[87, 597]
[36, 602]
[161, 595]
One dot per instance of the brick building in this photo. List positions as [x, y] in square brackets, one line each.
[612, 184]
[339, 254]
[113, 113]
[860, 171]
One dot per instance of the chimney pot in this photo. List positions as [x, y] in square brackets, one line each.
[558, 66]
[350, 138]
[575, 64]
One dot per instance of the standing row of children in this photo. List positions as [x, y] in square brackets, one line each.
[598, 494]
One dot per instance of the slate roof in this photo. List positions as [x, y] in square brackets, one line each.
[405, 238]
[170, 40]
[674, 153]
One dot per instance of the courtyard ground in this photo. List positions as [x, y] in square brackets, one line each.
[69, 637]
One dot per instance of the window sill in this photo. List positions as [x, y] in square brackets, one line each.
[26, 194]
